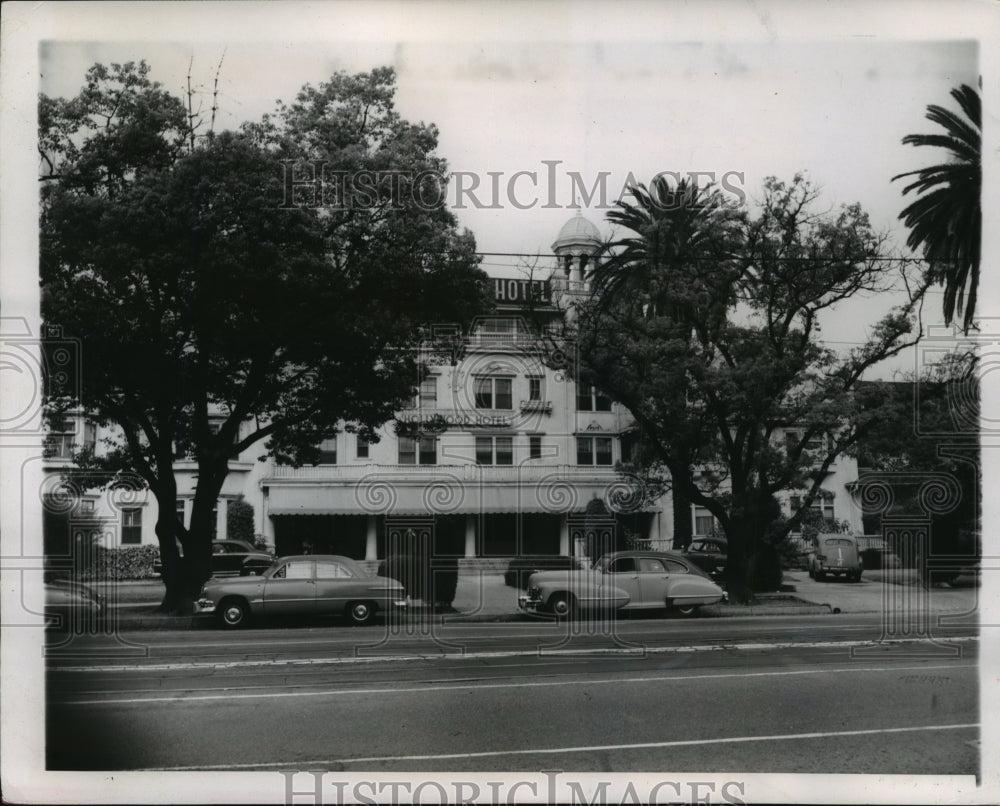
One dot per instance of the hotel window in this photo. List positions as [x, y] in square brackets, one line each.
[87, 506]
[815, 443]
[534, 447]
[593, 450]
[61, 441]
[89, 436]
[428, 392]
[131, 527]
[494, 450]
[328, 452]
[704, 522]
[589, 399]
[362, 451]
[497, 331]
[534, 388]
[418, 450]
[821, 505]
[424, 395]
[494, 393]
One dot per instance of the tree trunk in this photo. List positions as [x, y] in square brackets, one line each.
[682, 519]
[171, 563]
[167, 528]
[197, 541]
[737, 561]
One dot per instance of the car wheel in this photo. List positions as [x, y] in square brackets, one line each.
[361, 613]
[563, 605]
[812, 572]
[234, 613]
[687, 610]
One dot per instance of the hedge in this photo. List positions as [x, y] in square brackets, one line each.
[128, 562]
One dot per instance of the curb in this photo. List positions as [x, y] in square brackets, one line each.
[154, 621]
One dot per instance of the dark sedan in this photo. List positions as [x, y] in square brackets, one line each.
[709, 554]
[520, 568]
[233, 558]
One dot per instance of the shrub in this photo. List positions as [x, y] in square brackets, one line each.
[239, 520]
[127, 562]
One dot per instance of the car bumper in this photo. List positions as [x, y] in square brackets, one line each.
[529, 604]
[203, 605]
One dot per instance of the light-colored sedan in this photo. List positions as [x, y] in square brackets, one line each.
[623, 580]
[306, 585]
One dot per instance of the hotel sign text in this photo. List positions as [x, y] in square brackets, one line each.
[521, 291]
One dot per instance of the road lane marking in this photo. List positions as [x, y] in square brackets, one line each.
[230, 695]
[303, 765]
[541, 652]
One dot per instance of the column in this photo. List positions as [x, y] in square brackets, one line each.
[564, 535]
[220, 518]
[470, 536]
[266, 524]
[371, 539]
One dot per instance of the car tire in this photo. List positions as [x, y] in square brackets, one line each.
[361, 613]
[234, 613]
[812, 572]
[563, 605]
[688, 611]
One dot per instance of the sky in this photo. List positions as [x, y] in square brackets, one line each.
[558, 97]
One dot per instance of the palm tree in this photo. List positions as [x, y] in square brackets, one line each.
[677, 232]
[677, 237]
[946, 219]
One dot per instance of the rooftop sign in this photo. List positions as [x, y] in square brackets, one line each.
[521, 292]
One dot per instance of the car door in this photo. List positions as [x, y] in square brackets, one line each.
[623, 574]
[336, 585]
[653, 579]
[291, 589]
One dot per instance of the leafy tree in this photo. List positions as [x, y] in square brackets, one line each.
[213, 314]
[945, 220]
[749, 358]
[668, 230]
[930, 425]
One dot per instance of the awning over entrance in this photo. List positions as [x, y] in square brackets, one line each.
[444, 497]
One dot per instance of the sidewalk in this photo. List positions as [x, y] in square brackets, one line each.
[873, 595]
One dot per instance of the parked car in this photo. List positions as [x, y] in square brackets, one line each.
[232, 558]
[623, 580]
[835, 555]
[520, 568]
[69, 603]
[309, 584]
[709, 554]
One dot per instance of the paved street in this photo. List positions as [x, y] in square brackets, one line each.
[769, 694]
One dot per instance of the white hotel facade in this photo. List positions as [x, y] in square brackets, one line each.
[501, 453]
